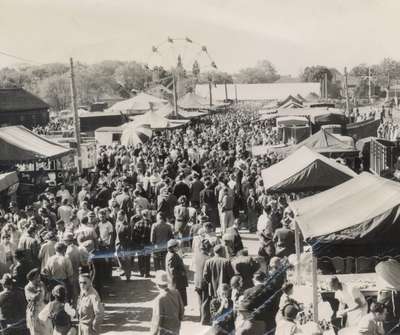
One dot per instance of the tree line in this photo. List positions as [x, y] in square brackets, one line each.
[110, 78]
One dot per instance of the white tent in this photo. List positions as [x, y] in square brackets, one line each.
[138, 104]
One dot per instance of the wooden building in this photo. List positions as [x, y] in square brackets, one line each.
[19, 107]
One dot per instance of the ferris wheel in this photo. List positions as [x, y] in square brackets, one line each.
[183, 51]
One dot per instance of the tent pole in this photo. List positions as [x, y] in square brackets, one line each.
[298, 256]
[315, 287]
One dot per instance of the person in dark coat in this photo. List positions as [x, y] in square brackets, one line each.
[200, 285]
[176, 270]
[161, 233]
[21, 268]
[217, 270]
[209, 200]
[102, 196]
[195, 188]
[12, 308]
[253, 310]
[141, 238]
[181, 188]
[245, 266]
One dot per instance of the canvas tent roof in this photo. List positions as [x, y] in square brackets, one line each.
[157, 122]
[325, 142]
[167, 111]
[363, 211]
[305, 170]
[193, 101]
[18, 144]
[137, 104]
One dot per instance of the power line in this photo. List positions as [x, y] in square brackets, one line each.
[17, 57]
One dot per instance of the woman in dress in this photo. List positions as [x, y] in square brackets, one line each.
[35, 293]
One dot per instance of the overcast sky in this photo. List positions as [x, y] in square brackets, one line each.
[290, 33]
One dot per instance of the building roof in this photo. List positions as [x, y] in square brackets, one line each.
[258, 92]
[18, 99]
[18, 144]
[287, 79]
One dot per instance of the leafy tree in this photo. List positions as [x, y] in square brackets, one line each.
[56, 91]
[316, 73]
[217, 77]
[263, 72]
[133, 75]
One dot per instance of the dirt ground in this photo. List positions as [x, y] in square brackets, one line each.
[128, 305]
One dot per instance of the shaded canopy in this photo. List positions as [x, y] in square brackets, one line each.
[138, 104]
[322, 142]
[18, 144]
[193, 101]
[167, 111]
[157, 122]
[133, 134]
[305, 170]
[8, 179]
[326, 143]
[361, 215]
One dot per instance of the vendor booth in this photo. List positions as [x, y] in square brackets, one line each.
[37, 159]
[305, 170]
[356, 221]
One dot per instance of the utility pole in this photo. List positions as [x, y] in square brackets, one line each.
[369, 85]
[226, 92]
[175, 111]
[76, 117]
[236, 99]
[346, 92]
[210, 91]
[326, 85]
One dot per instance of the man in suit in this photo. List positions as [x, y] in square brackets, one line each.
[168, 309]
[161, 233]
[217, 270]
[176, 270]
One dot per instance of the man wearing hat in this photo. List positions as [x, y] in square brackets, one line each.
[74, 255]
[176, 269]
[200, 285]
[47, 249]
[161, 233]
[12, 308]
[217, 270]
[168, 309]
[31, 246]
[195, 188]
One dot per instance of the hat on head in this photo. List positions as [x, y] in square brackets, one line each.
[172, 243]
[58, 291]
[204, 219]
[260, 276]
[50, 236]
[218, 248]
[33, 274]
[161, 278]
[6, 280]
[68, 237]
[290, 312]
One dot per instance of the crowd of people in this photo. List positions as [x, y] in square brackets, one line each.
[189, 190]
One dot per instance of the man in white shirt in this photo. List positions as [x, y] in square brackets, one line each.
[63, 193]
[65, 212]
